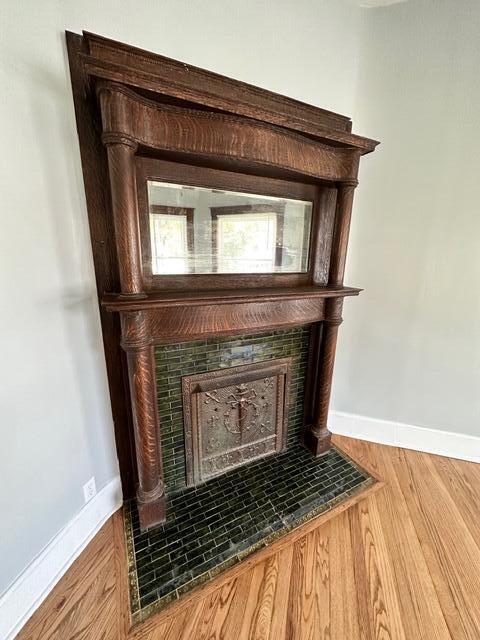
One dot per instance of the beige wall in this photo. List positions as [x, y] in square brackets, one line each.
[410, 345]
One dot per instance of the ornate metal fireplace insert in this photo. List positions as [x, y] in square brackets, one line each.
[234, 416]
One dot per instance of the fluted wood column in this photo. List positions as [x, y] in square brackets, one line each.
[317, 437]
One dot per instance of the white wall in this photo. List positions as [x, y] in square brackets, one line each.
[55, 423]
[56, 426]
[409, 348]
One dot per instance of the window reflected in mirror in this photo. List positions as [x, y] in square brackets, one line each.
[200, 230]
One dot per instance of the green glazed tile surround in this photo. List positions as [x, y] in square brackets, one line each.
[186, 358]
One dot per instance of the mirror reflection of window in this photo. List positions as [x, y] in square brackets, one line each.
[200, 230]
[246, 244]
[170, 238]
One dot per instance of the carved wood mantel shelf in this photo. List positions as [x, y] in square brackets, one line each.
[147, 120]
[185, 316]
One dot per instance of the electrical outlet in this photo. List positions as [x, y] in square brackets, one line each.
[89, 489]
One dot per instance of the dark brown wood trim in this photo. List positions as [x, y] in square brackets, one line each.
[180, 323]
[343, 216]
[116, 302]
[137, 343]
[322, 233]
[193, 80]
[130, 118]
[317, 436]
[162, 170]
[108, 59]
[225, 281]
[125, 216]
[116, 73]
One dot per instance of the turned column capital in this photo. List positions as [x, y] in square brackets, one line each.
[333, 311]
[135, 331]
[117, 124]
[112, 139]
[349, 183]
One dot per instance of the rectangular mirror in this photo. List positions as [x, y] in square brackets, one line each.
[201, 230]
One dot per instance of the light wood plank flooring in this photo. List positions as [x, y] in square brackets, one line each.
[403, 563]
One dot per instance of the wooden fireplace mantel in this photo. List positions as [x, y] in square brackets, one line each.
[141, 116]
[180, 316]
[117, 302]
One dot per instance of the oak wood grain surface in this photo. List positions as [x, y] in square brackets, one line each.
[403, 563]
[176, 129]
[222, 296]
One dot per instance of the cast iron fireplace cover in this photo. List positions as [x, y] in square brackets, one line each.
[234, 416]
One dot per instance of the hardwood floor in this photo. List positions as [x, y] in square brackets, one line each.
[401, 564]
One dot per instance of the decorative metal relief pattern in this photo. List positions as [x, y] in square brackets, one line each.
[234, 416]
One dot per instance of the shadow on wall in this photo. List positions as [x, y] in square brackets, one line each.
[51, 103]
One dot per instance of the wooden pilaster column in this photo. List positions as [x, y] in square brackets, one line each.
[121, 156]
[317, 437]
[141, 372]
[343, 215]
[136, 338]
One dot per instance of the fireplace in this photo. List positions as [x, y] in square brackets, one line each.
[219, 215]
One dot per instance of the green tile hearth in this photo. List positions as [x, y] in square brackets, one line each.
[173, 361]
[213, 526]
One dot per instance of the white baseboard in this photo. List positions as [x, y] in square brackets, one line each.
[30, 589]
[408, 436]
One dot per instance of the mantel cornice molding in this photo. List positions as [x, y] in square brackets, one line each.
[107, 59]
[129, 118]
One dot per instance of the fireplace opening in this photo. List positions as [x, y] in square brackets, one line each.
[257, 384]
